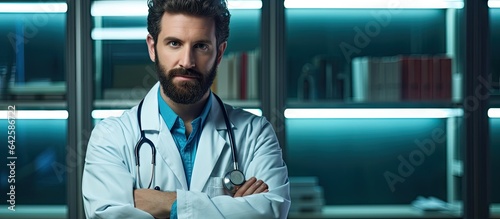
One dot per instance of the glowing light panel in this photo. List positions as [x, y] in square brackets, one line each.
[389, 4]
[373, 113]
[34, 114]
[33, 7]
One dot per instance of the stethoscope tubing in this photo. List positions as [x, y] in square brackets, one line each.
[144, 140]
[230, 132]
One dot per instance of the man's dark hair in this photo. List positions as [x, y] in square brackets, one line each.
[215, 9]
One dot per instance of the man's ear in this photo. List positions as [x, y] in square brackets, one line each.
[221, 49]
[151, 47]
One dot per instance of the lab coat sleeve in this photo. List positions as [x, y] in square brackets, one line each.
[107, 184]
[266, 164]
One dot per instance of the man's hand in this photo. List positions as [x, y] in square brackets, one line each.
[251, 186]
[156, 203]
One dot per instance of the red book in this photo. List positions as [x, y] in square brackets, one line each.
[436, 83]
[425, 78]
[446, 78]
[416, 85]
[412, 66]
[405, 77]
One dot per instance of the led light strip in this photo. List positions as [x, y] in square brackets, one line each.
[102, 114]
[244, 4]
[372, 113]
[34, 114]
[33, 7]
[389, 4]
[119, 8]
[494, 113]
[494, 3]
[133, 33]
[140, 8]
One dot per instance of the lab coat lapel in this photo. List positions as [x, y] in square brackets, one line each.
[210, 147]
[165, 146]
[169, 154]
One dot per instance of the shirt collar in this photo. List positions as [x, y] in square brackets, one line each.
[170, 117]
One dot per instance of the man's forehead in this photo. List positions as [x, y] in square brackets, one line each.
[185, 23]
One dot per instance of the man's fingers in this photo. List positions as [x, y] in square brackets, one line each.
[251, 186]
[254, 188]
[262, 188]
[241, 191]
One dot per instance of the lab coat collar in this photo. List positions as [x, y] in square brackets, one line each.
[152, 121]
[150, 116]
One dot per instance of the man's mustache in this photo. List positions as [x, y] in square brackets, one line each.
[185, 72]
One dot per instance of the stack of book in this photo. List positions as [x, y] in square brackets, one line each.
[401, 78]
[237, 76]
[306, 195]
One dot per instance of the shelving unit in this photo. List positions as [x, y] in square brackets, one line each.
[454, 48]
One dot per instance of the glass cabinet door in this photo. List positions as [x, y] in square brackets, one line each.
[124, 72]
[334, 50]
[33, 112]
[372, 119]
[32, 58]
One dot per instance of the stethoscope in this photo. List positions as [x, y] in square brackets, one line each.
[231, 180]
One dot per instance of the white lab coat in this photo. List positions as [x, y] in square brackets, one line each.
[109, 176]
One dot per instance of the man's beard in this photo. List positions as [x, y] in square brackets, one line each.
[185, 92]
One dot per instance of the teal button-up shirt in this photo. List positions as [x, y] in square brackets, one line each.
[187, 145]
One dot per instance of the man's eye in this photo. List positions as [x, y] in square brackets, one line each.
[173, 43]
[202, 46]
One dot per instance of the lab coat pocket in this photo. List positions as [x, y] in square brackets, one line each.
[214, 187]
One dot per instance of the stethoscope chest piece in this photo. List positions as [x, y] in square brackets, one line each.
[232, 179]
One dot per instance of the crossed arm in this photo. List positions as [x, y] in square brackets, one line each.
[158, 203]
[108, 195]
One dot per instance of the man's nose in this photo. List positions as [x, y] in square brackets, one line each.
[187, 59]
